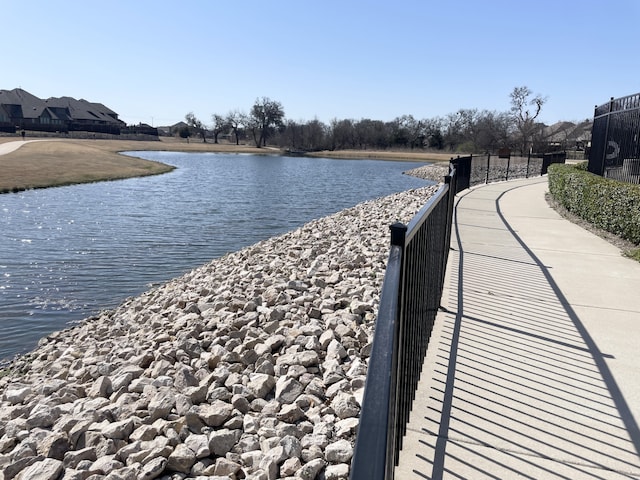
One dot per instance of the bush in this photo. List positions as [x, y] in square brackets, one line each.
[607, 204]
[582, 166]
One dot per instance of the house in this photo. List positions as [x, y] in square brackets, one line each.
[568, 135]
[86, 116]
[28, 112]
[6, 125]
[172, 130]
[22, 110]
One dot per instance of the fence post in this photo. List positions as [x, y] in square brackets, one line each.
[375, 450]
[486, 180]
[606, 139]
[395, 434]
[398, 234]
[448, 180]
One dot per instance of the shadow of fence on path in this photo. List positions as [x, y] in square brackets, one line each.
[533, 395]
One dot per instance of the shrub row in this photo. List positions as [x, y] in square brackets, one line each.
[608, 204]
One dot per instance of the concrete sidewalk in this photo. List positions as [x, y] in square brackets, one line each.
[534, 369]
[8, 147]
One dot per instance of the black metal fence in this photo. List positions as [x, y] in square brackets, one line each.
[409, 302]
[615, 146]
[488, 168]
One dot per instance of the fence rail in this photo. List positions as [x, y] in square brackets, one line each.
[488, 168]
[615, 150]
[409, 302]
[408, 305]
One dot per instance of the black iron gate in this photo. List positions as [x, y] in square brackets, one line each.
[615, 146]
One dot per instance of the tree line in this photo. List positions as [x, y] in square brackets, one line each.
[468, 130]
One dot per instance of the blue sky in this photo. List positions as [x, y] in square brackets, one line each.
[155, 61]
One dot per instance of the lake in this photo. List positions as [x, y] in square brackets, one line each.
[68, 252]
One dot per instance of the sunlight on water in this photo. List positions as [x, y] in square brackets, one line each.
[68, 252]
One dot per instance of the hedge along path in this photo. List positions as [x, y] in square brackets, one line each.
[607, 204]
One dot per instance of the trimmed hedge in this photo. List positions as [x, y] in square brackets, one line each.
[608, 204]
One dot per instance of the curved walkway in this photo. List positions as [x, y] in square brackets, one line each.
[533, 367]
[12, 146]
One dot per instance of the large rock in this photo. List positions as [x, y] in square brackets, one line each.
[47, 469]
[310, 470]
[306, 359]
[214, 414]
[345, 405]
[16, 393]
[199, 444]
[222, 441]
[42, 416]
[339, 452]
[261, 384]
[55, 445]
[162, 403]
[181, 459]
[288, 390]
[153, 469]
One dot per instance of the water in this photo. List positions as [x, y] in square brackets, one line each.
[67, 253]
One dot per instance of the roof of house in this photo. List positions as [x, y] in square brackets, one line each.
[19, 103]
[80, 109]
[568, 131]
[102, 108]
[30, 106]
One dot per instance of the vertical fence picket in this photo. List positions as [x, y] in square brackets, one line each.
[615, 150]
[409, 303]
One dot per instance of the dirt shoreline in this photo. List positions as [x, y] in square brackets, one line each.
[57, 162]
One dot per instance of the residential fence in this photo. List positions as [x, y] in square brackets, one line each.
[409, 302]
[615, 150]
[488, 168]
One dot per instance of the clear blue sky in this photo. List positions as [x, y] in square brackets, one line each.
[155, 61]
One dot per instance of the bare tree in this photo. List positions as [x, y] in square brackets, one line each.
[343, 134]
[219, 125]
[433, 132]
[524, 118]
[197, 125]
[406, 130]
[266, 114]
[236, 120]
[492, 131]
[316, 134]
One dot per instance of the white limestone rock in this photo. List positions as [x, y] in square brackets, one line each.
[181, 459]
[339, 452]
[262, 352]
[47, 469]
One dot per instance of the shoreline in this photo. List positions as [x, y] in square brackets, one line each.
[52, 162]
[254, 362]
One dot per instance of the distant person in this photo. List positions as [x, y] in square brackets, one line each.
[23, 133]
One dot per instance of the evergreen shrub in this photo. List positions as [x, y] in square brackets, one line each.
[607, 204]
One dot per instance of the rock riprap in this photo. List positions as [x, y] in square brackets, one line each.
[252, 366]
[433, 171]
